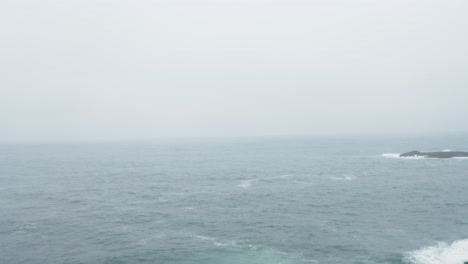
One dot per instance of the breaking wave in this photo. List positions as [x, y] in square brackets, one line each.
[245, 184]
[397, 156]
[344, 178]
[442, 253]
[391, 155]
[215, 241]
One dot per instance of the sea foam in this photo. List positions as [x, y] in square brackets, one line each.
[391, 155]
[442, 253]
[397, 156]
[344, 178]
[243, 252]
[245, 184]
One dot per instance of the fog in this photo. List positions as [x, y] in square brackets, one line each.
[110, 70]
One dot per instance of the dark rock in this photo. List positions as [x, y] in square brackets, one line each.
[437, 155]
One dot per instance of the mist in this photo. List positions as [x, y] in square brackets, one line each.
[92, 70]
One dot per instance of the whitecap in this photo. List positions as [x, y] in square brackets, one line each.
[442, 253]
[344, 178]
[245, 184]
[397, 156]
[202, 238]
[391, 155]
[414, 157]
[214, 241]
[446, 150]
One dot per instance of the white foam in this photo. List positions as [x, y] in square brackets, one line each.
[414, 157]
[442, 253]
[344, 178]
[261, 254]
[446, 150]
[215, 241]
[245, 184]
[391, 155]
[202, 238]
[397, 156]
[251, 253]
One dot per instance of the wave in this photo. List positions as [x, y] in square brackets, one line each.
[344, 178]
[397, 156]
[162, 200]
[25, 228]
[215, 241]
[244, 252]
[391, 155]
[442, 253]
[245, 184]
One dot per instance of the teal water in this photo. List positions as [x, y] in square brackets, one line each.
[289, 201]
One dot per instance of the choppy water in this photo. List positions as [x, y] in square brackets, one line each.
[288, 201]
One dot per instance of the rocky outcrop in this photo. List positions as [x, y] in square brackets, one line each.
[437, 155]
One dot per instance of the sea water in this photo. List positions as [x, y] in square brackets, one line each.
[261, 201]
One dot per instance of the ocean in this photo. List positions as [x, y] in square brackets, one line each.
[330, 200]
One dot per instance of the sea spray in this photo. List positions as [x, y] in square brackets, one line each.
[442, 253]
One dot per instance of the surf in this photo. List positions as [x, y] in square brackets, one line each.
[442, 253]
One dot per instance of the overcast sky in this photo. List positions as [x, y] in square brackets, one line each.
[114, 69]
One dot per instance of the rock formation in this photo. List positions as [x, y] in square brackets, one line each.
[438, 155]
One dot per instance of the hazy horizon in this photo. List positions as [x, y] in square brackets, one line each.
[120, 70]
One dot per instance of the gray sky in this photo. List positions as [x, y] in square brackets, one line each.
[114, 69]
